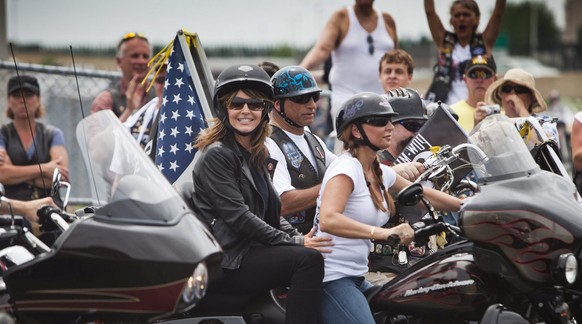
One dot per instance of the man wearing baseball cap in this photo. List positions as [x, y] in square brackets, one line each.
[480, 73]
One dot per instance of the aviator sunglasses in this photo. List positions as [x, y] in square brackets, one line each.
[378, 121]
[480, 74]
[253, 104]
[129, 36]
[411, 125]
[370, 41]
[303, 99]
[517, 88]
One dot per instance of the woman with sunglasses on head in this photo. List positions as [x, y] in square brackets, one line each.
[354, 203]
[235, 198]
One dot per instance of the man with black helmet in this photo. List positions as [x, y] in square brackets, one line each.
[302, 156]
[233, 195]
[411, 117]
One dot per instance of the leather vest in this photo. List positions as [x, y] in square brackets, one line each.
[18, 156]
[303, 173]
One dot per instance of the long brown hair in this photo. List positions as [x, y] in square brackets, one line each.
[219, 130]
[352, 147]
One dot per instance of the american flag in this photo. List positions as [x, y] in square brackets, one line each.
[181, 117]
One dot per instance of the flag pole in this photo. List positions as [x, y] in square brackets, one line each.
[194, 73]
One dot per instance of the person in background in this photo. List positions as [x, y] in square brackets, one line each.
[234, 196]
[516, 93]
[31, 150]
[459, 46]
[576, 143]
[133, 54]
[396, 68]
[411, 116]
[143, 120]
[479, 74]
[356, 37]
[301, 156]
[354, 203]
[269, 67]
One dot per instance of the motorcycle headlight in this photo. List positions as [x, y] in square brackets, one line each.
[195, 286]
[566, 269]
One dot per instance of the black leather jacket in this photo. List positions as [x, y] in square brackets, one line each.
[226, 198]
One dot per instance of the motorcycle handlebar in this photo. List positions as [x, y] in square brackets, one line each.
[421, 232]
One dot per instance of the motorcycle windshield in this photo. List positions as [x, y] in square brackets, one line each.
[125, 184]
[506, 154]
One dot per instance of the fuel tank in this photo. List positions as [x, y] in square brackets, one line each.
[443, 284]
[524, 222]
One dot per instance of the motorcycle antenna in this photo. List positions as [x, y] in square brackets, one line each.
[28, 117]
[83, 117]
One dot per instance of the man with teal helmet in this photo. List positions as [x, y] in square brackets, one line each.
[301, 156]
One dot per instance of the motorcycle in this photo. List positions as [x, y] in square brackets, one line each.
[139, 256]
[517, 248]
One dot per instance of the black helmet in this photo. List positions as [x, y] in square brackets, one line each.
[240, 76]
[432, 107]
[407, 103]
[361, 105]
[292, 81]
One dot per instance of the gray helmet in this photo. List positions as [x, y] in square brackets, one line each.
[360, 106]
[407, 103]
[292, 81]
[240, 76]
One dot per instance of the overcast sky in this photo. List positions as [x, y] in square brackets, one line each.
[218, 22]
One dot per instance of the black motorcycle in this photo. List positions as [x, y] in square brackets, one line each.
[515, 259]
[139, 256]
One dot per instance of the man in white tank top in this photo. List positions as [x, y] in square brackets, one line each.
[356, 37]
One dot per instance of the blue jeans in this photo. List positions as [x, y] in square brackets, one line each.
[343, 301]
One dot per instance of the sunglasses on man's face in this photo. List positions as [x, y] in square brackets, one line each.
[378, 121]
[303, 99]
[517, 88]
[253, 104]
[411, 125]
[480, 74]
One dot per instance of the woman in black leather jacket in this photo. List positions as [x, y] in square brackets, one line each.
[234, 196]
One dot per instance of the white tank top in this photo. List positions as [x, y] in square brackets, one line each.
[459, 90]
[353, 69]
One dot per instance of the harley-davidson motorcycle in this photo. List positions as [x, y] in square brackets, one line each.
[139, 256]
[519, 241]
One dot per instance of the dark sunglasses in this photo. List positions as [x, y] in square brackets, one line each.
[370, 41]
[253, 104]
[160, 80]
[129, 36]
[480, 74]
[303, 99]
[378, 121]
[411, 125]
[517, 88]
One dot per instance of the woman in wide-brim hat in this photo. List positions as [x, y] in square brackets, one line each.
[516, 94]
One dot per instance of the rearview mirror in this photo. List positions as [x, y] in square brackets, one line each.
[411, 195]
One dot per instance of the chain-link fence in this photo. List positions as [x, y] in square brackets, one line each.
[59, 94]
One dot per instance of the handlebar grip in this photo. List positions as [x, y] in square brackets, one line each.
[393, 240]
[429, 230]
